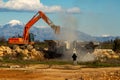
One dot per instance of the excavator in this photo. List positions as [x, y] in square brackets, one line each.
[28, 38]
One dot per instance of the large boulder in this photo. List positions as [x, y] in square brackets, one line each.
[5, 50]
[18, 50]
[25, 52]
[1, 53]
[8, 50]
[36, 54]
[29, 47]
[1, 49]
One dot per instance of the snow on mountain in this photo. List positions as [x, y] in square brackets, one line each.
[14, 22]
[107, 38]
[105, 35]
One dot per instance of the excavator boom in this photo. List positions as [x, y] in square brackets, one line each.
[26, 35]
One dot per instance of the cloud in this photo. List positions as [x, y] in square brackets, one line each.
[32, 5]
[73, 10]
[25, 5]
[1, 3]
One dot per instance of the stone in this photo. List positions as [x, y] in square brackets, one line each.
[25, 52]
[29, 47]
[33, 52]
[18, 50]
[8, 50]
[1, 53]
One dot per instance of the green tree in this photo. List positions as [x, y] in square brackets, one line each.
[107, 45]
[3, 41]
[116, 45]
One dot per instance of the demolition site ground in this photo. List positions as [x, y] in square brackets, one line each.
[33, 65]
[59, 72]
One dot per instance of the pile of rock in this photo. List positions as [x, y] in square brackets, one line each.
[5, 50]
[28, 53]
[105, 53]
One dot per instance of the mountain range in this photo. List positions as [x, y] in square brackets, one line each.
[15, 28]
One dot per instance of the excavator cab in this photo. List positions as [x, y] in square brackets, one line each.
[20, 40]
[31, 37]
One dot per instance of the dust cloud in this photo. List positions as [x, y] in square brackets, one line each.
[69, 27]
[68, 33]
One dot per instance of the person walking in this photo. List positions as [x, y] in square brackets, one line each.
[74, 56]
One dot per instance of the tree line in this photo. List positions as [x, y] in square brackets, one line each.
[111, 44]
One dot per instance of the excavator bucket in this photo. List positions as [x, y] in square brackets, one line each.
[56, 29]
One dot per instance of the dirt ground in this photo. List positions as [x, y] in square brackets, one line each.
[59, 72]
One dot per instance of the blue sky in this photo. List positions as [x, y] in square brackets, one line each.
[94, 17]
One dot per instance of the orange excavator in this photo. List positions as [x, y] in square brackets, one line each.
[28, 38]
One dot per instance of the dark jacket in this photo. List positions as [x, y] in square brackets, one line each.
[74, 56]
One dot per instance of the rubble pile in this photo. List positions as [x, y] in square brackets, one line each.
[105, 53]
[28, 53]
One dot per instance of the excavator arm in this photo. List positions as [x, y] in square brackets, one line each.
[26, 36]
[35, 18]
